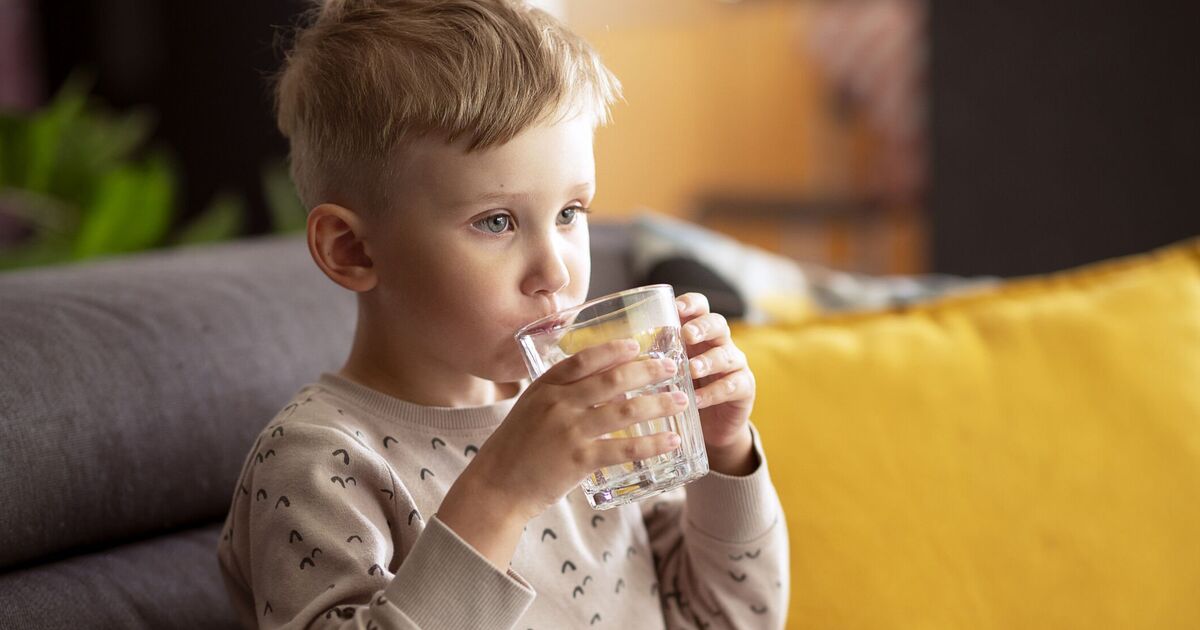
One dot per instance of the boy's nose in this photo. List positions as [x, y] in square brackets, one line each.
[548, 271]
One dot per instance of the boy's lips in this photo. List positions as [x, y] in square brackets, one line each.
[550, 309]
[549, 323]
[545, 326]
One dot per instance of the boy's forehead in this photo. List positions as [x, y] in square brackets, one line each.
[503, 195]
[536, 161]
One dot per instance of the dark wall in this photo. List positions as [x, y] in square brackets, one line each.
[1063, 132]
[202, 66]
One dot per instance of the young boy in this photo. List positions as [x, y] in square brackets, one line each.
[445, 151]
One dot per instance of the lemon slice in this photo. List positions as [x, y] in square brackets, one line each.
[585, 337]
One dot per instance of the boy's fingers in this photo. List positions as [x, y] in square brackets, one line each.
[692, 304]
[718, 360]
[620, 414]
[707, 327]
[613, 451]
[591, 360]
[608, 385]
[735, 386]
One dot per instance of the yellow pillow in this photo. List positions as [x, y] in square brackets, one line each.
[1023, 457]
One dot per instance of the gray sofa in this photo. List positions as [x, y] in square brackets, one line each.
[130, 391]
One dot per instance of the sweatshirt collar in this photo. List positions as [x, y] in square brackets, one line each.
[391, 408]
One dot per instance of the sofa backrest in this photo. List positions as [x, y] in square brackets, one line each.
[132, 386]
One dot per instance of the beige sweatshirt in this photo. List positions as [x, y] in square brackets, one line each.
[332, 526]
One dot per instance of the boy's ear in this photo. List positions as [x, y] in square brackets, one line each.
[335, 240]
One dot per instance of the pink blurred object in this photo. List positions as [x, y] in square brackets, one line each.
[20, 79]
[875, 52]
[20, 90]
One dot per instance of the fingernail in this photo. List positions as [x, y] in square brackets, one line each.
[697, 367]
[692, 332]
[632, 344]
[680, 398]
[674, 440]
[682, 306]
[668, 365]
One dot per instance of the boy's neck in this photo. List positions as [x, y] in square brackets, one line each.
[440, 393]
[375, 363]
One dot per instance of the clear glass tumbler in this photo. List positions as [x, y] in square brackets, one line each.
[647, 314]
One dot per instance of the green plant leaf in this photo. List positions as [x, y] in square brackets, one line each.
[45, 133]
[287, 213]
[98, 142]
[130, 211]
[221, 220]
[14, 152]
[116, 137]
[48, 216]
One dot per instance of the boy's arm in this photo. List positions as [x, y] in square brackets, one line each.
[721, 551]
[325, 531]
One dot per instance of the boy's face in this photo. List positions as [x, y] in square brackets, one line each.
[477, 245]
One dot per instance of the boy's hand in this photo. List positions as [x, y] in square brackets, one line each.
[551, 439]
[724, 386]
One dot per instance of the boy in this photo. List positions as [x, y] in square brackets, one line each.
[445, 151]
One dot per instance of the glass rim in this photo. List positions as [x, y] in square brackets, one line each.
[530, 328]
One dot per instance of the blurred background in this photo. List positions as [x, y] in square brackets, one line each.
[877, 136]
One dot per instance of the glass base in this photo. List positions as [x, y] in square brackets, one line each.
[645, 483]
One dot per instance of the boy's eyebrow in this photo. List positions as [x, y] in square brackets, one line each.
[493, 197]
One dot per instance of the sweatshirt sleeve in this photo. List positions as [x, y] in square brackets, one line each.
[321, 550]
[721, 551]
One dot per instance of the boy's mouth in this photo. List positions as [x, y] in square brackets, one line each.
[542, 327]
[550, 322]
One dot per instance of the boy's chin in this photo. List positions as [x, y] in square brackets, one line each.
[508, 369]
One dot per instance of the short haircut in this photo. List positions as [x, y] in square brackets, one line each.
[363, 77]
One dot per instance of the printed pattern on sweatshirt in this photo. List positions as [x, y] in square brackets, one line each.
[332, 525]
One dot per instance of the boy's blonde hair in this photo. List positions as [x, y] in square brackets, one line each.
[365, 76]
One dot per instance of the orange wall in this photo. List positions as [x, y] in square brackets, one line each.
[718, 97]
[725, 98]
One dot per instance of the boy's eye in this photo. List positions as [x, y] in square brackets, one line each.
[567, 215]
[495, 224]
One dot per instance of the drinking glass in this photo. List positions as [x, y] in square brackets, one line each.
[648, 315]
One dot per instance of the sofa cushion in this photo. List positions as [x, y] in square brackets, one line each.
[133, 387]
[160, 584]
[774, 288]
[1027, 456]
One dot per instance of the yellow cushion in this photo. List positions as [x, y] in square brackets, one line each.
[1023, 457]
